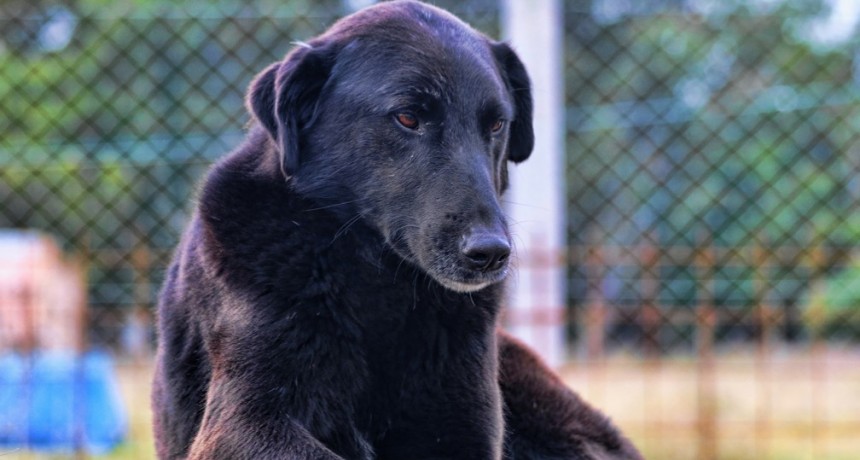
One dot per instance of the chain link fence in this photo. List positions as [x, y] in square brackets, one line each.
[714, 188]
[713, 152]
[713, 159]
[111, 116]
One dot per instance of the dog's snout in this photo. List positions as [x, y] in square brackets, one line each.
[486, 252]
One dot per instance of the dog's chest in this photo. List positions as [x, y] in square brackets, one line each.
[415, 335]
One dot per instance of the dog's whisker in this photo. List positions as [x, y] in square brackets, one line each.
[415, 291]
[397, 270]
[332, 205]
[301, 44]
[525, 205]
[343, 228]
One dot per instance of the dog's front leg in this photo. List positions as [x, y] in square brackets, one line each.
[237, 432]
[544, 419]
[278, 390]
[241, 423]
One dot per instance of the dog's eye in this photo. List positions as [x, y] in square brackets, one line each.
[407, 120]
[497, 126]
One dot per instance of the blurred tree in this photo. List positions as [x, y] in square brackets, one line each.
[699, 121]
[112, 110]
[109, 118]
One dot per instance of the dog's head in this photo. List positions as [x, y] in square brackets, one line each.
[406, 116]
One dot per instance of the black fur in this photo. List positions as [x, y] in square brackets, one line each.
[336, 293]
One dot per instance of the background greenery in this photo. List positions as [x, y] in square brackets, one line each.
[725, 124]
[689, 122]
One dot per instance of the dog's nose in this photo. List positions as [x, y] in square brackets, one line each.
[486, 251]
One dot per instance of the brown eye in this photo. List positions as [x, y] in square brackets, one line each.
[497, 126]
[407, 120]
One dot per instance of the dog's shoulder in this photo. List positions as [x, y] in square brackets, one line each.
[245, 182]
[249, 223]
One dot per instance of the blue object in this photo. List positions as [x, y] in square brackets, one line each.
[60, 401]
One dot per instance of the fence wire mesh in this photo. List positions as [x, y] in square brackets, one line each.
[713, 170]
[713, 160]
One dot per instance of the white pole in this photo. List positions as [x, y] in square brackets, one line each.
[536, 200]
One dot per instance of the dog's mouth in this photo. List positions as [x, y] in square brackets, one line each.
[477, 262]
[470, 281]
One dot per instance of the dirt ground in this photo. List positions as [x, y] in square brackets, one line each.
[789, 405]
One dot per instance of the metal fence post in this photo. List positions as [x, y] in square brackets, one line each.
[705, 261]
[536, 200]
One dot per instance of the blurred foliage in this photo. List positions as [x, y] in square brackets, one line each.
[730, 126]
[112, 110]
[833, 306]
[724, 124]
[689, 122]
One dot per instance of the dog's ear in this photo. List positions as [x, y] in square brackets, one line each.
[284, 96]
[522, 138]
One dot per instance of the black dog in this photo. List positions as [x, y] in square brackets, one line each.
[337, 292]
